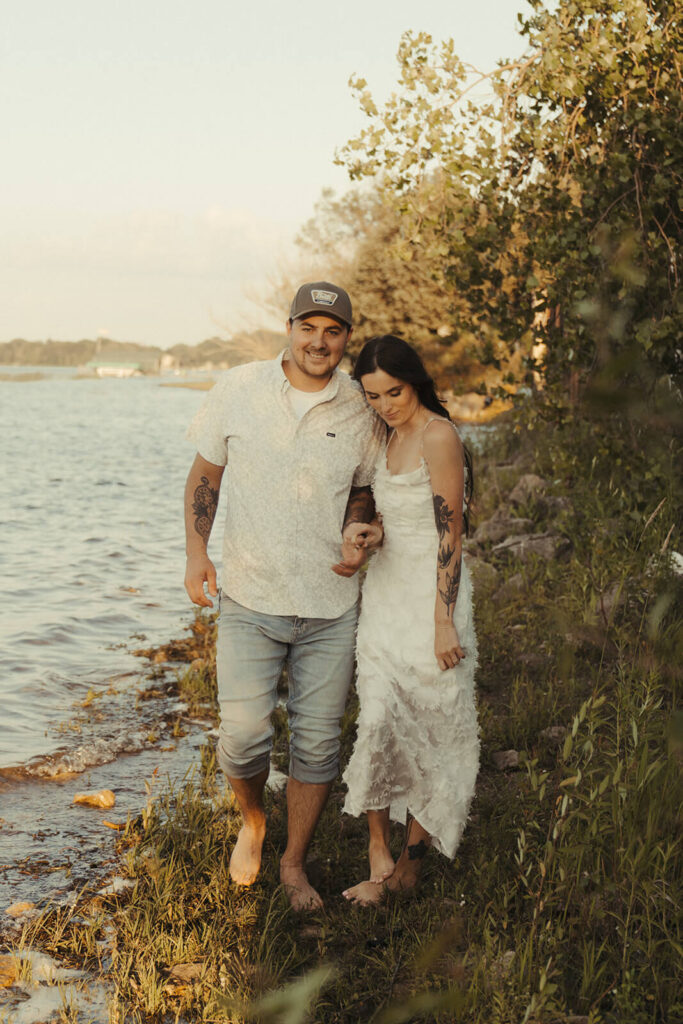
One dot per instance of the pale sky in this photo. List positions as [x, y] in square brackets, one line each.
[159, 156]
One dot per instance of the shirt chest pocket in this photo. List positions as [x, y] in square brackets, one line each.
[331, 457]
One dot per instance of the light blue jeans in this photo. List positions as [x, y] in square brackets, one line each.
[250, 651]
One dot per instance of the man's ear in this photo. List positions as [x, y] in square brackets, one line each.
[288, 326]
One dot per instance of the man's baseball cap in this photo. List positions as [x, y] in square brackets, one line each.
[322, 298]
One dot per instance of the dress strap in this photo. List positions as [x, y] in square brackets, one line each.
[422, 438]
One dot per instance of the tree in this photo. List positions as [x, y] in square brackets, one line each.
[554, 208]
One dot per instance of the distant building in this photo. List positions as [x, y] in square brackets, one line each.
[109, 368]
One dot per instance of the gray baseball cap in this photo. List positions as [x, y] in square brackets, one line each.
[322, 298]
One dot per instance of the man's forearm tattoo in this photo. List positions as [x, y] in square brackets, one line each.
[204, 507]
[449, 593]
[443, 516]
[360, 507]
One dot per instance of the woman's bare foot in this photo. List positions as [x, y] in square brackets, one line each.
[300, 892]
[365, 894]
[245, 860]
[381, 861]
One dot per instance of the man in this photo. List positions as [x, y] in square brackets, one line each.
[299, 444]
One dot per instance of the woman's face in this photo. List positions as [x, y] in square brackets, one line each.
[395, 400]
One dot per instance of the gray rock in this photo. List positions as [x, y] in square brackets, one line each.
[504, 759]
[554, 734]
[499, 526]
[554, 504]
[611, 599]
[527, 487]
[528, 545]
[510, 589]
[483, 573]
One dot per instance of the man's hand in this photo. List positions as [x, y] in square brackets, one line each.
[358, 541]
[200, 570]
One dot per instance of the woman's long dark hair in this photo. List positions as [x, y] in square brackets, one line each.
[400, 360]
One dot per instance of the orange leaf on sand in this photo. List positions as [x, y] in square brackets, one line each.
[103, 798]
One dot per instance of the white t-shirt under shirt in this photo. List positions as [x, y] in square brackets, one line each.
[302, 401]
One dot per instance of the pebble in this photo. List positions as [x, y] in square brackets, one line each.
[18, 909]
[103, 798]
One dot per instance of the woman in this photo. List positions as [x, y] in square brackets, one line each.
[417, 751]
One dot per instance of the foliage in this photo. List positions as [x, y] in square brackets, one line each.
[565, 185]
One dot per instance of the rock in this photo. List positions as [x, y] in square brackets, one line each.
[500, 526]
[186, 972]
[103, 798]
[527, 488]
[510, 589]
[504, 759]
[554, 734]
[19, 909]
[556, 503]
[541, 545]
[483, 573]
[611, 599]
[117, 885]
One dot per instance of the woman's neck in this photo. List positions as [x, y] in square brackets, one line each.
[414, 425]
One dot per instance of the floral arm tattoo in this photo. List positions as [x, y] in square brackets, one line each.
[360, 507]
[449, 557]
[204, 508]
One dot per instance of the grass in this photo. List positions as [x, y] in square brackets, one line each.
[563, 900]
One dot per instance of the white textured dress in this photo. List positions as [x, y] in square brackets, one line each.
[418, 744]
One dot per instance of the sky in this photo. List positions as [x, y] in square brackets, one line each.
[159, 156]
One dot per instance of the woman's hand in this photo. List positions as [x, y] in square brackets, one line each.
[358, 541]
[447, 647]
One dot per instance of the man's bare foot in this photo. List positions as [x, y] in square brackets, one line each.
[300, 892]
[365, 894]
[245, 860]
[402, 880]
[381, 862]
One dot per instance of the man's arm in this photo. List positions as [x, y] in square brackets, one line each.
[360, 511]
[201, 501]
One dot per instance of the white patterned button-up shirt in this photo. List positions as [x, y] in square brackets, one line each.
[286, 486]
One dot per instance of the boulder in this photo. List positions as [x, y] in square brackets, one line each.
[510, 589]
[504, 759]
[528, 545]
[528, 488]
[483, 573]
[499, 526]
[553, 735]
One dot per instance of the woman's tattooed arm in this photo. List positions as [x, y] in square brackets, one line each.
[449, 556]
[204, 505]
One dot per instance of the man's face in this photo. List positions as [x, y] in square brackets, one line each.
[316, 345]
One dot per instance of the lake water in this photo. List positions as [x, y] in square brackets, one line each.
[91, 567]
[92, 553]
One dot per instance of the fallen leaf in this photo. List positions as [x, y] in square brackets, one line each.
[103, 798]
[118, 825]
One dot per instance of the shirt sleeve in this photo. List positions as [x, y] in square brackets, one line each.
[374, 444]
[209, 430]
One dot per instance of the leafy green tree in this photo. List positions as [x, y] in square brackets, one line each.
[553, 207]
